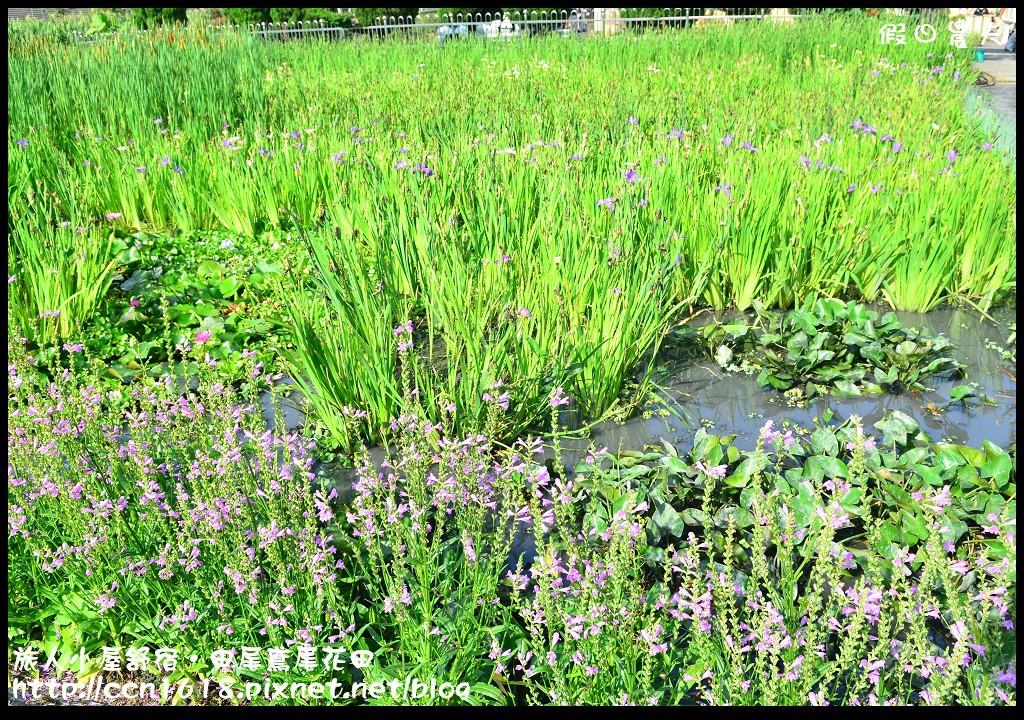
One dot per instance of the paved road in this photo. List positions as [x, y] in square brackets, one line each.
[1004, 99]
[1003, 67]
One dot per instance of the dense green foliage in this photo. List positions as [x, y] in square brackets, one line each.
[255, 16]
[365, 17]
[146, 18]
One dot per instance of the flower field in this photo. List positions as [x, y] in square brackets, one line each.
[452, 250]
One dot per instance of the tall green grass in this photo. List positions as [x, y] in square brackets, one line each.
[502, 256]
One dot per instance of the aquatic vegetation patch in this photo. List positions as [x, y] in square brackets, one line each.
[832, 347]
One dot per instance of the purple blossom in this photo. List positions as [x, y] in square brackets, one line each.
[630, 176]
[165, 161]
[724, 188]
[557, 398]
[952, 156]
[105, 602]
[633, 121]
[22, 143]
[339, 157]
[727, 140]
[747, 146]
[769, 434]
[676, 134]
[608, 202]
[422, 167]
[986, 146]
[113, 216]
[716, 471]
[523, 312]
[896, 147]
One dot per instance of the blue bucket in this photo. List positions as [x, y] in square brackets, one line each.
[979, 56]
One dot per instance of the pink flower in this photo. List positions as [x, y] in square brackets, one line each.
[558, 399]
[203, 336]
[718, 471]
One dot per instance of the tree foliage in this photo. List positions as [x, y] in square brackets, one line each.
[152, 17]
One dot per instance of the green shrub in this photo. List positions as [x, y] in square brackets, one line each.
[151, 17]
[247, 16]
[368, 16]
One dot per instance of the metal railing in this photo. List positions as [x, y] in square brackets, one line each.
[499, 25]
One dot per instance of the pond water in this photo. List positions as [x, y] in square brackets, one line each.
[727, 403]
[700, 394]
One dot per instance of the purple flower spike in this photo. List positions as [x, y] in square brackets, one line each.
[557, 398]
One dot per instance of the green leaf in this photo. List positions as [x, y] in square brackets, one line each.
[828, 466]
[824, 442]
[210, 268]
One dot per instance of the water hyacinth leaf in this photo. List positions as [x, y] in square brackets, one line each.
[827, 466]
[210, 268]
[803, 505]
[666, 521]
[998, 469]
[960, 392]
[824, 442]
[137, 280]
[974, 456]
[229, 287]
[674, 465]
[212, 323]
[264, 268]
[896, 426]
[914, 528]
[929, 475]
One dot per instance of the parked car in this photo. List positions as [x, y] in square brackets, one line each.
[446, 33]
[495, 29]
